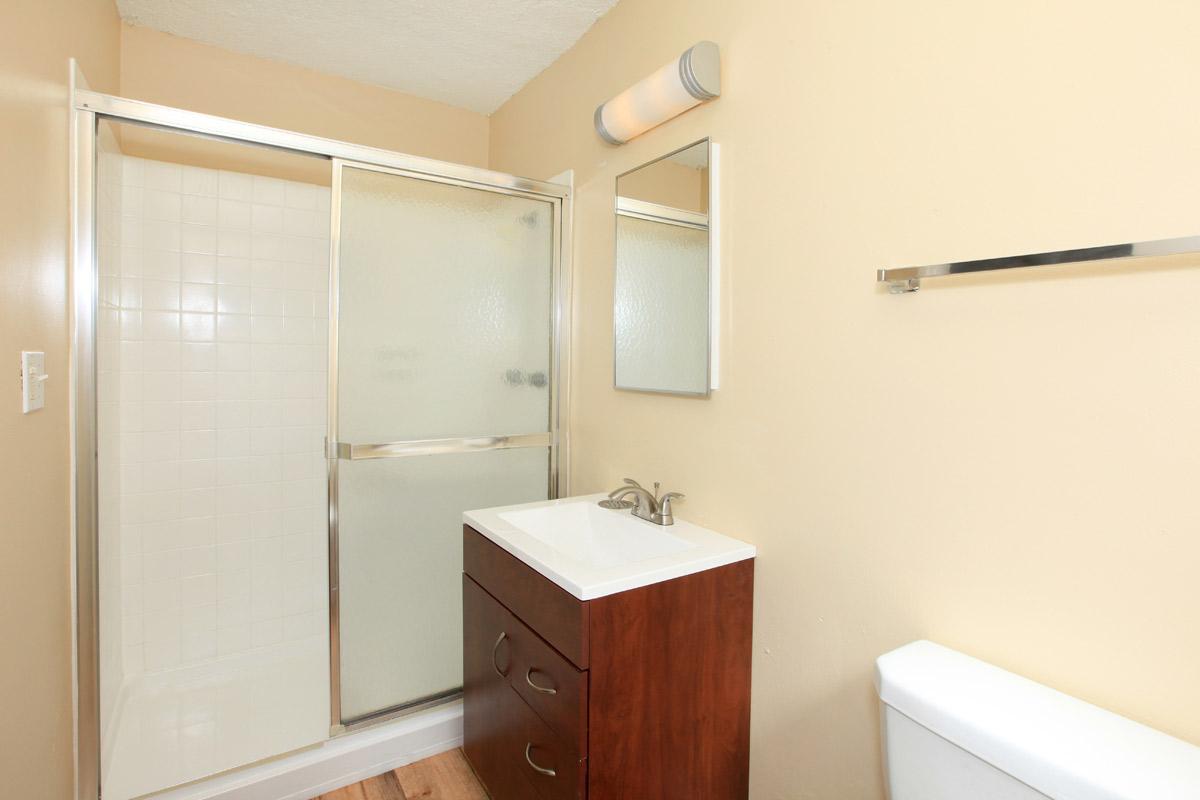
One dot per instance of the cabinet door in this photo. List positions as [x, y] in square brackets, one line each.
[487, 710]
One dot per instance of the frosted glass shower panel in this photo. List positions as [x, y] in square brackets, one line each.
[401, 567]
[445, 310]
[444, 331]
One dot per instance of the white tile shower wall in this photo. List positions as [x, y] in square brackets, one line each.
[223, 306]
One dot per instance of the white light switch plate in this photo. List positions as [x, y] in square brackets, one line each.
[33, 380]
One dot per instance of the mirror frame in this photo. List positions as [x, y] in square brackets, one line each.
[712, 277]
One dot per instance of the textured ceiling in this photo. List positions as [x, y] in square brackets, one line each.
[473, 54]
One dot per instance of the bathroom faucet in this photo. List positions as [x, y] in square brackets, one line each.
[646, 504]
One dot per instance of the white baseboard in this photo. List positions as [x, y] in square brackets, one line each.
[337, 762]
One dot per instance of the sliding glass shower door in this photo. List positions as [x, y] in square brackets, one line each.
[441, 401]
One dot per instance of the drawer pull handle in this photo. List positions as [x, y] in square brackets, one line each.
[496, 647]
[534, 686]
[540, 770]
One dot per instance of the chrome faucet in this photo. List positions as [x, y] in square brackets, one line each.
[647, 505]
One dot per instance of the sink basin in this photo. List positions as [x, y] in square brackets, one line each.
[596, 536]
[591, 551]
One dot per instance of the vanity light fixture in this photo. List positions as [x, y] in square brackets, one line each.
[672, 89]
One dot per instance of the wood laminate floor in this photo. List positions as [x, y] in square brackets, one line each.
[446, 776]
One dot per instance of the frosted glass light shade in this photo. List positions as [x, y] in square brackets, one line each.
[669, 91]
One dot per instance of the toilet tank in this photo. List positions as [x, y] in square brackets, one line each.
[955, 728]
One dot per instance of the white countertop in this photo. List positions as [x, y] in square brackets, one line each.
[592, 551]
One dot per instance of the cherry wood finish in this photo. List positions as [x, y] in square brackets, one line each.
[546, 750]
[486, 728]
[670, 689]
[559, 618]
[661, 712]
[536, 662]
[498, 724]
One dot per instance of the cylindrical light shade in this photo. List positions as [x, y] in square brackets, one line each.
[674, 88]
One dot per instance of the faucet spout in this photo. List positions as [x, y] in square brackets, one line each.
[640, 497]
[646, 505]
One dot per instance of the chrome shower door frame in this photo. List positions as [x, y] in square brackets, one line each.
[87, 108]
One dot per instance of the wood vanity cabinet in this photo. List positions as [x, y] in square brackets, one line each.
[639, 695]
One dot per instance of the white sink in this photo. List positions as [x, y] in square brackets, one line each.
[592, 551]
[597, 536]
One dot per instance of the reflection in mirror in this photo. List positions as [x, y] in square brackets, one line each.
[661, 295]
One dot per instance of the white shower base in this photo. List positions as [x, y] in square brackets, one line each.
[337, 762]
[196, 728]
[184, 724]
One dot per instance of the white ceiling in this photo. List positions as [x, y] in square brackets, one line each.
[473, 54]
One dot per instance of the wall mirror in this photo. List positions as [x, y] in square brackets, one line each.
[662, 291]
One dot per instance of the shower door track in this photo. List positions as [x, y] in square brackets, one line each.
[87, 109]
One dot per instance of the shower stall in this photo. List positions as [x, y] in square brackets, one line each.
[297, 362]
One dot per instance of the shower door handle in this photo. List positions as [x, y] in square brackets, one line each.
[433, 447]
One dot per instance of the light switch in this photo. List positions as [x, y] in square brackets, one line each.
[33, 380]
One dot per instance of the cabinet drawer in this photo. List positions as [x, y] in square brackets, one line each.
[550, 685]
[504, 739]
[556, 616]
[538, 751]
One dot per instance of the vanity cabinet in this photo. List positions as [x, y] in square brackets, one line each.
[642, 694]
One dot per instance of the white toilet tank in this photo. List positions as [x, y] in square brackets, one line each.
[955, 728]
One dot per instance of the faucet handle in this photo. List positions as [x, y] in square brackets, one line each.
[664, 502]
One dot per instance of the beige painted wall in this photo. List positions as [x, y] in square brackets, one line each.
[668, 184]
[1003, 464]
[161, 68]
[36, 39]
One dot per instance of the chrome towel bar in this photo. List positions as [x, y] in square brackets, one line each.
[908, 279]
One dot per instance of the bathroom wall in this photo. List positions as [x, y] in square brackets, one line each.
[223, 296]
[211, 396]
[161, 68]
[669, 184]
[36, 39]
[1004, 464]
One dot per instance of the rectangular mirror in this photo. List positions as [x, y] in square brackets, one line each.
[662, 290]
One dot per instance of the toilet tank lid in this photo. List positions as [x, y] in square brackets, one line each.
[1063, 747]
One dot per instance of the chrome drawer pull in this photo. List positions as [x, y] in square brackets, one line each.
[495, 647]
[534, 686]
[540, 770]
